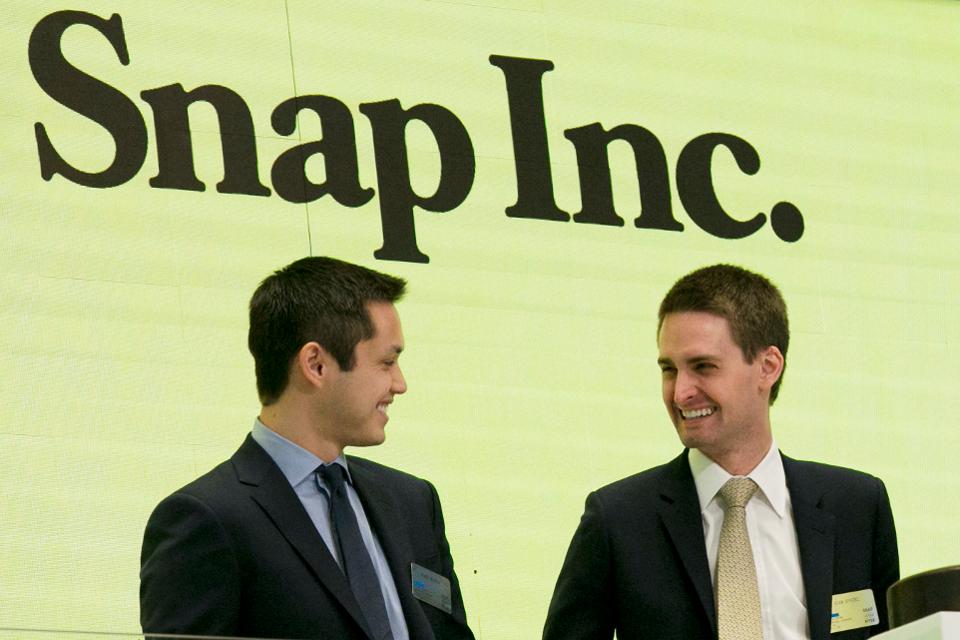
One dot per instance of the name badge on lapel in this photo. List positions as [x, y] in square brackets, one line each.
[853, 610]
[430, 587]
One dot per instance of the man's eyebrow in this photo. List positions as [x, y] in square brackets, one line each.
[691, 360]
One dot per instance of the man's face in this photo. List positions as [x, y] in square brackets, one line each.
[717, 401]
[358, 399]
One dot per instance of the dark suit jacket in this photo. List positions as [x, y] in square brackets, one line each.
[638, 563]
[234, 553]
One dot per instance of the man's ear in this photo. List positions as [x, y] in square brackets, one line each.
[312, 365]
[771, 366]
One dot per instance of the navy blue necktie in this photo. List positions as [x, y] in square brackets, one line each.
[355, 558]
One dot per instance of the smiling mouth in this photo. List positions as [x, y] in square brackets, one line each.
[382, 407]
[690, 414]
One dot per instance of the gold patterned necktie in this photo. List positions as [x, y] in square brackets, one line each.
[738, 600]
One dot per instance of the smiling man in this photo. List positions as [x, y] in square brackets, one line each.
[731, 539]
[290, 538]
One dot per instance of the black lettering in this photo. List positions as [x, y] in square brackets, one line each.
[88, 96]
[695, 184]
[530, 150]
[397, 198]
[338, 146]
[596, 192]
[787, 221]
[175, 147]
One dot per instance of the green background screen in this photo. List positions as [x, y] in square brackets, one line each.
[531, 353]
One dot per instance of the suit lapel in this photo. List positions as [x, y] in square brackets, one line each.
[679, 509]
[270, 489]
[815, 539]
[381, 511]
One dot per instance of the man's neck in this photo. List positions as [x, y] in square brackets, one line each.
[743, 460]
[297, 428]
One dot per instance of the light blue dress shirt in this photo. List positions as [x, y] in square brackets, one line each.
[299, 466]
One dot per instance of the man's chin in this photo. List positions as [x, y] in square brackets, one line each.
[690, 438]
[371, 439]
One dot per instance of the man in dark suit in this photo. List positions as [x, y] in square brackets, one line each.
[730, 539]
[290, 538]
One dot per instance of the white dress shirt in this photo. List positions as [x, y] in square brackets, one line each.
[773, 538]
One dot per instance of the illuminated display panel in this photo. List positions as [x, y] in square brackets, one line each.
[531, 352]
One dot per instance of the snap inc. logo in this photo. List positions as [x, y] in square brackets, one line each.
[119, 115]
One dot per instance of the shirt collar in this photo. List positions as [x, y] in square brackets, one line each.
[296, 463]
[709, 477]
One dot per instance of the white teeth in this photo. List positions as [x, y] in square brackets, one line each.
[697, 413]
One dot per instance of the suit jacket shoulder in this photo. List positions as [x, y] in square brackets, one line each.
[818, 476]
[370, 478]
[234, 553]
[405, 511]
[637, 564]
[646, 485]
[846, 538]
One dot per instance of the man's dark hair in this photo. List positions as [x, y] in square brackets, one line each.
[314, 299]
[750, 303]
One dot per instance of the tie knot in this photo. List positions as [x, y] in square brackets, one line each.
[738, 491]
[334, 475]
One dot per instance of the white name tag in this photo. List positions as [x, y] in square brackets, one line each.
[853, 610]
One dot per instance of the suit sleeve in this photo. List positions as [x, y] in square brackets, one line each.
[886, 558]
[460, 630]
[583, 605]
[189, 577]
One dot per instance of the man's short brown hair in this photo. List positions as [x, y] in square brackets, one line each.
[750, 303]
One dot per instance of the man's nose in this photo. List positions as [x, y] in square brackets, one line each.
[399, 382]
[684, 388]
